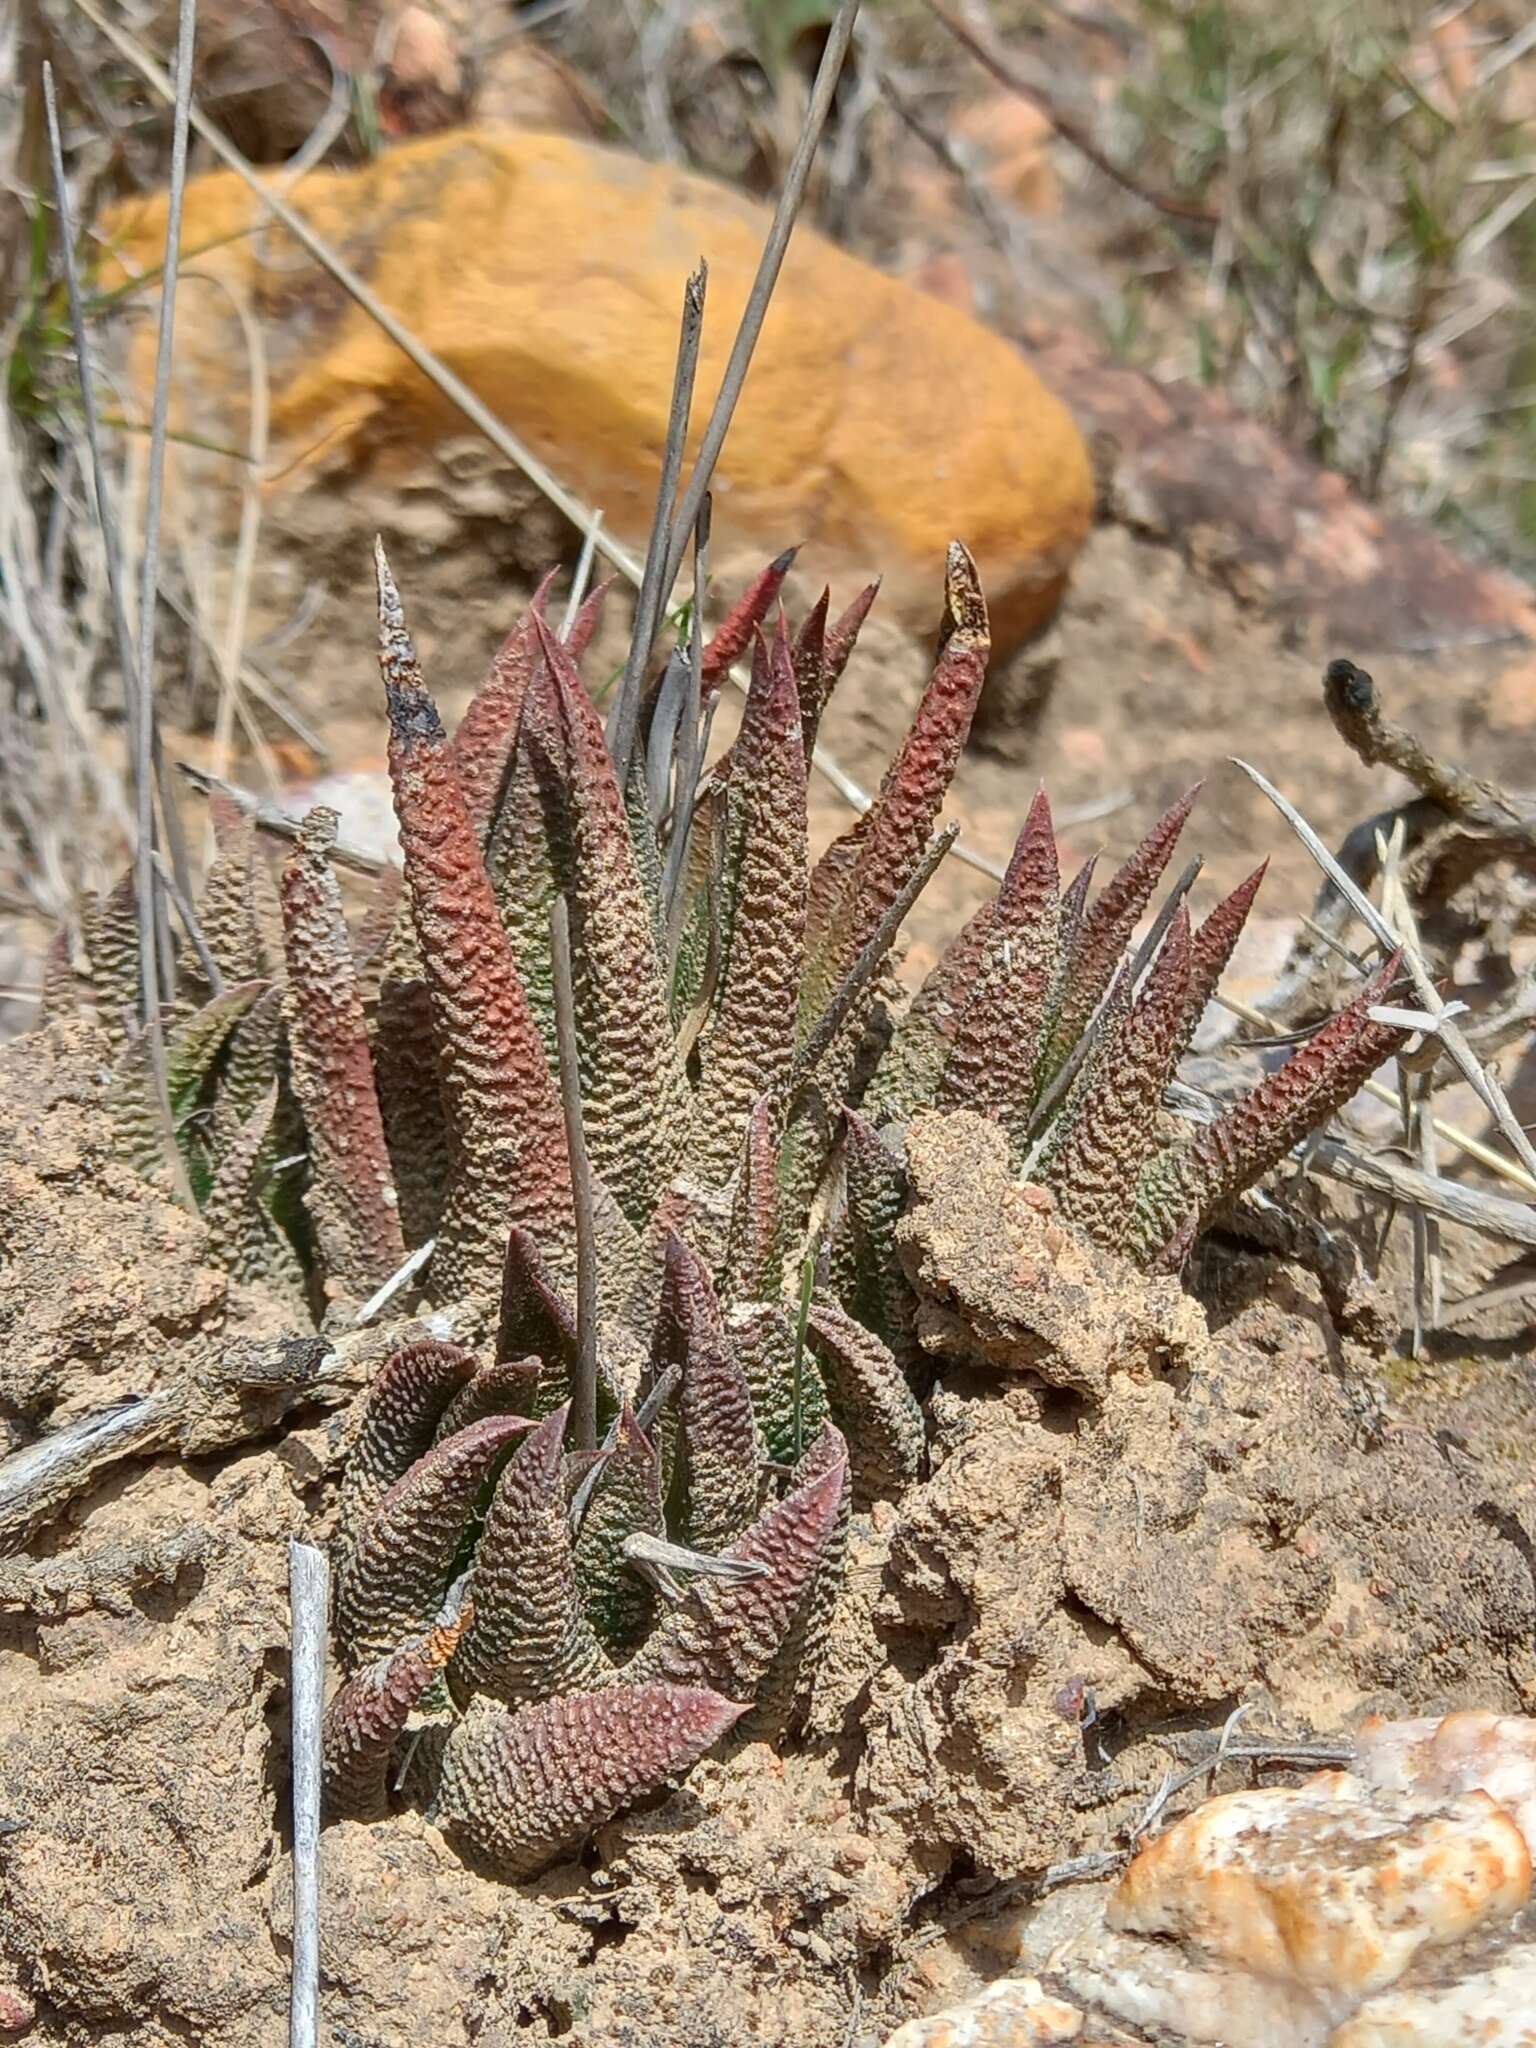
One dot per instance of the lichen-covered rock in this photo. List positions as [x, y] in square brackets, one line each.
[548, 273]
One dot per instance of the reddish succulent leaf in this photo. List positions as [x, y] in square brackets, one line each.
[754, 1256]
[1100, 940]
[364, 1722]
[734, 634]
[843, 634]
[1318, 1078]
[399, 1424]
[719, 1435]
[510, 1160]
[505, 1387]
[1211, 949]
[352, 1191]
[784, 1692]
[725, 1633]
[523, 1789]
[530, 1637]
[409, 1083]
[487, 732]
[405, 1553]
[995, 1056]
[1109, 1127]
[897, 830]
[634, 1091]
[749, 1048]
[589, 616]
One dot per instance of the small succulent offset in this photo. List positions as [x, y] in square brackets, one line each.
[624, 1054]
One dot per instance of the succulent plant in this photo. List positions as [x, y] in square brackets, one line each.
[671, 1143]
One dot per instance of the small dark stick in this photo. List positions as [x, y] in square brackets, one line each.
[584, 1391]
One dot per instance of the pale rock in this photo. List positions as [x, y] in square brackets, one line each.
[1331, 1885]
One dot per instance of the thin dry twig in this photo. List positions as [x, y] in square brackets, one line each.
[1483, 1082]
[309, 1593]
[828, 72]
[149, 965]
[268, 818]
[624, 719]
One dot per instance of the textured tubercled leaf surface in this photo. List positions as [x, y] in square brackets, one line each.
[518, 1789]
[406, 1552]
[510, 1162]
[364, 1722]
[749, 1047]
[721, 1452]
[633, 1090]
[530, 1637]
[399, 1422]
[725, 1633]
[352, 1190]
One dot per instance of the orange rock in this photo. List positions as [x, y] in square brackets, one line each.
[876, 423]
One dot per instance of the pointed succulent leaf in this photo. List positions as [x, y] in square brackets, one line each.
[226, 905]
[1229, 1155]
[523, 1789]
[911, 1071]
[351, 1187]
[898, 828]
[1211, 949]
[505, 1387]
[821, 655]
[364, 1722]
[252, 1061]
[407, 1552]
[720, 1450]
[589, 618]
[749, 1048]
[784, 1693]
[843, 633]
[398, 1424]
[242, 1236]
[530, 1638]
[734, 634]
[633, 1088]
[995, 1055]
[875, 1408]
[725, 1633]
[192, 1049]
[866, 1266]
[487, 733]
[625, 1501]
[1091, 954]
[1111, 1126]
[112, 948]
[510, 1158]
[753, 1269]
[409, 1084]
